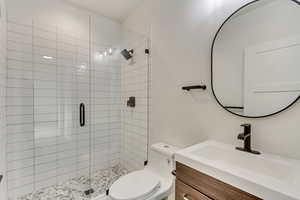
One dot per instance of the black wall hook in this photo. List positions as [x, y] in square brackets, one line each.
[194, 87]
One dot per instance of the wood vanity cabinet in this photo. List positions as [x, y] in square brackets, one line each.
[194, 185]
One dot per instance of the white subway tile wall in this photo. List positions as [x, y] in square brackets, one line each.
[49, 74]
[135, 121]
[3, 83]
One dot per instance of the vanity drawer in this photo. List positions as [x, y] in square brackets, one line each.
[209, 186]
[185, 192]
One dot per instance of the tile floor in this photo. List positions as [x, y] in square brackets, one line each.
[74, 188]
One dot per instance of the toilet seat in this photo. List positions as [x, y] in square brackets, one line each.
[135, 186]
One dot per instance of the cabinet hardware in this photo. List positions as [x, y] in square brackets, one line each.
[186, 197]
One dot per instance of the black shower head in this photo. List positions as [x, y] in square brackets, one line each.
[127, 54]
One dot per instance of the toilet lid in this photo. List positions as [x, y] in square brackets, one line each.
[136, 185]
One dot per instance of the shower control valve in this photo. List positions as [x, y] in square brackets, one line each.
[131, 102]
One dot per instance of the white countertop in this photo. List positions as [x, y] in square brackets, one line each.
[267, 176]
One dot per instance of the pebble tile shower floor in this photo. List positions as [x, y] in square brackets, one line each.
[74, 188]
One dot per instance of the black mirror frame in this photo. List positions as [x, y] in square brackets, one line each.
[212, 63]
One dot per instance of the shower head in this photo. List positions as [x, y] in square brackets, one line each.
[127, 54]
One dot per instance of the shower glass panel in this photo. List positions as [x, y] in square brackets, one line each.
[135, 76]
[20, 110]
[70, 132]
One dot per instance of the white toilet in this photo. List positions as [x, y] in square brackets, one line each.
[154, 182]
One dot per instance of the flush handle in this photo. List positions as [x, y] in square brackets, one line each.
[174, 172]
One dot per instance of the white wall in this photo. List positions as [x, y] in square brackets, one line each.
[2, 98]
[181, 34]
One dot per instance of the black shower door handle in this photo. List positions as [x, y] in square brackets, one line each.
[82, 114]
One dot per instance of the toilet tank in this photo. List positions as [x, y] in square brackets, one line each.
[161, 159]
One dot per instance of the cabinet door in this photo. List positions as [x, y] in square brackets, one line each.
[210, 186]
[185, 192]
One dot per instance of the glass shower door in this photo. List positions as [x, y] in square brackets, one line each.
[61, 120]
[74, 119]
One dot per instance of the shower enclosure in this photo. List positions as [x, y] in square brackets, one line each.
[70, 134]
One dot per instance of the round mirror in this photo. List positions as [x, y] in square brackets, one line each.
[256, 59]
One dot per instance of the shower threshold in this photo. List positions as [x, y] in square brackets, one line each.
[75, 188]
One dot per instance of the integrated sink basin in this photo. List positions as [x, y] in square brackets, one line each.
[249, 163]
[267, 176]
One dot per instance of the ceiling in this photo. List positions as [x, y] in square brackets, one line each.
[115, 9]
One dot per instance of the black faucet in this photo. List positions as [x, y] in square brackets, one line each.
[246, 136]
